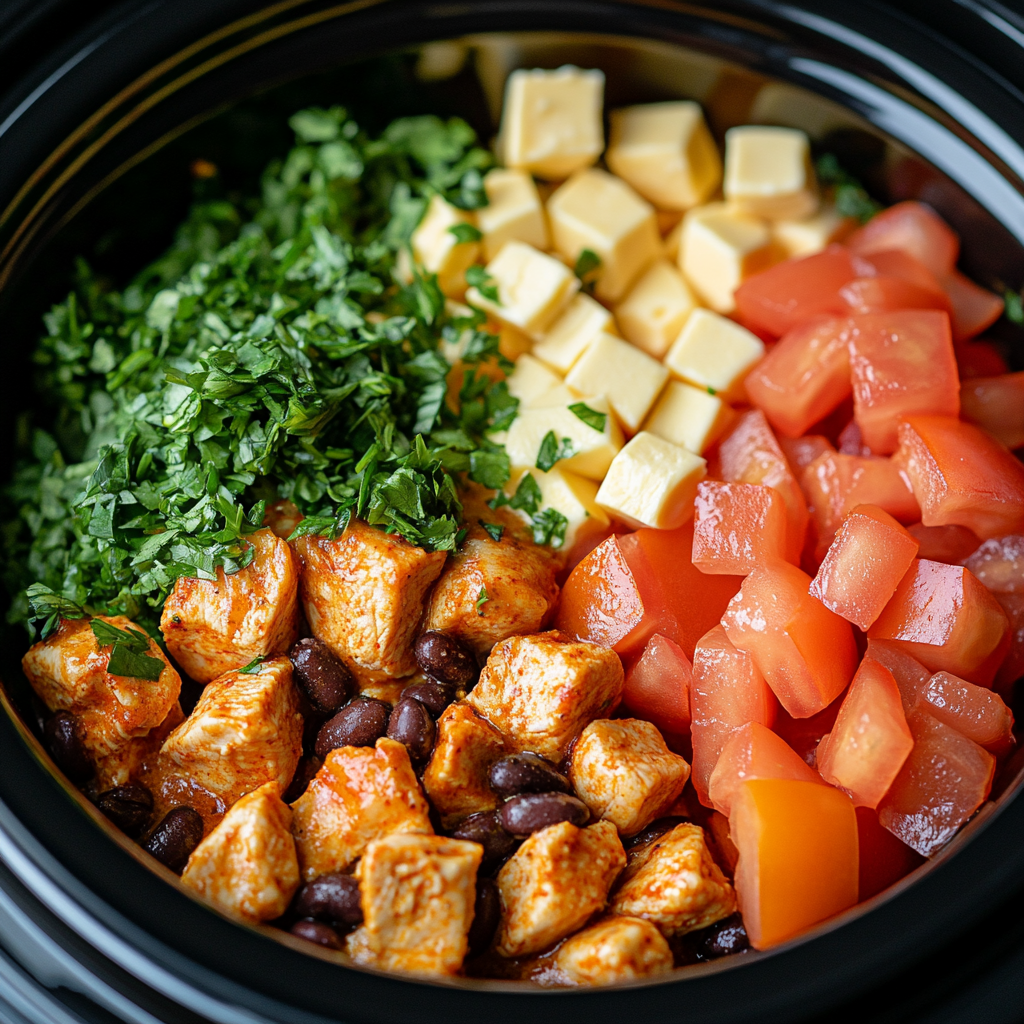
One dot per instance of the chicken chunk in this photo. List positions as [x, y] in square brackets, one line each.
[456, 776]
[613, 950]
[364, 594]
[69, 673]
[214, 626]
[673, 882]
[418, 896]
[541, 691]
[247, 865]
[624, 773]
[359, 795]
[554, 882]
[516, 576]
[245, 730]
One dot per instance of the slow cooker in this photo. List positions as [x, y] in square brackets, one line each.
[103, 107]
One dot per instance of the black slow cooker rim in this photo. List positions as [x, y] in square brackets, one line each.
[52, 844]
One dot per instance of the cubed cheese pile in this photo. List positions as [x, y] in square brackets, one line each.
[636, 375]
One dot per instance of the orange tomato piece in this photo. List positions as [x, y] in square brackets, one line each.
[754, 752]
[802, 451]
[942, 616]
[901, 363]
[974, 711]
[910, 675]
[806, 653]
[750, 454]
[997, 405]
[870, 740]
[728, 691]
[736, 527]
[974, 308]
[914, 229]
[798, 856]
[999, 564]
[961, 476]
[944, 543]
[863, 566]
[804, 377]
[884, 860]
[946, 778]
[777, 299]
[658, 686]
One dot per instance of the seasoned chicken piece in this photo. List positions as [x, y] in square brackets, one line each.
[247, 864]
[364, 594]
[673, 882]
[214, 626]
[613, 950]
[69, 673]
[418, 894]
[541, 691]
[244, 731]
[359, 795]
[515, 575]
[554, 882]
[456, 777]
[132, 761]
[624, 773]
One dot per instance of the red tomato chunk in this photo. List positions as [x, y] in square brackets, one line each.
[914, 229]
[997, 405]
[737, 527]
[884, 860]
[974, 711]
[658, 686]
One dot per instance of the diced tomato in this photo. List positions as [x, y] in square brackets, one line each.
[910, 675]
[658, 686]
[974, 711]
[804, 377]
[997, 405]
[888, 294]
[870, 741]
[750, 454]
[1012, 667]
[974, 308]
[777, 299]
[798, 856]
[863, 567]
[806, 653]
[802, 451]
[999, 564]
[947, 620]
[950, 544]
[901, 363]
[851, 440]
[961, 476]
[979, 359]
[754, 752]
[913, 228]
[805, 734]
[835, 484]
[728, 691]
[736, 527]
[946, 778]
[884, 860]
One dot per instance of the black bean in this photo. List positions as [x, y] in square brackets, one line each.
[316, 931]
[129, 807]
[655, 830]
[358, 724]
[323, 676]
[173, 840]
[435, 697]
[444, 658]
[411, 724]
[486, 916]
[485, 828]
[523, 815]
[66, 747]
[333, 898]
[725, 937]
[526, 773]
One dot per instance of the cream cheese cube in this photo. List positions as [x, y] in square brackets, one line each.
[595, 210]
[514, 212]
[768, 172]
[572, 495]
[568, 337]
[689, 417]
[810, 235]
[714, 352]
[438, 251]
[652, 482]
[719, 247]
[665, 151]
[653, 313]
[593, 449]
[534, 384]
[551, 123]
[533, 288]
[630, 379]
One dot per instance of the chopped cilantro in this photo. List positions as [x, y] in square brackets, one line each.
[711, 390]
[128, 655]
[849, 195]
[253, 668]
[587, 265]
[49, 607]
[465, 233]
[552, 450]
[1014, 306]
[478, 277]
[482, 599]
[549, 526]
[494, 530]
[591, 417]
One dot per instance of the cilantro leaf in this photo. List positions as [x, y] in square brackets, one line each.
[587, 265]
[482, 599]
[253, 668]
[50, 607]
[477, 277]
[591, 417]
[549, 526]
[465, 233]
[131, 639]
[1014, 308]
[494, 530]
[850, 196]
[551, 450]
[127, 662]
